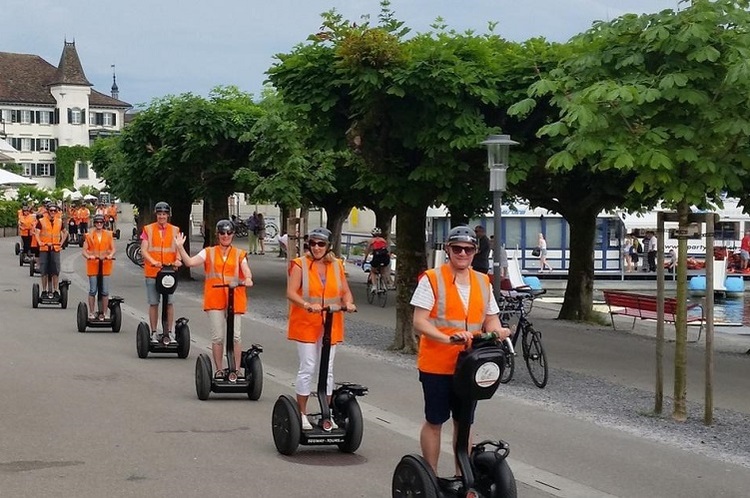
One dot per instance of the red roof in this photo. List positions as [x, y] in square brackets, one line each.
[25, 79]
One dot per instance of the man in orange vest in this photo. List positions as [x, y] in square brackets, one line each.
[83, 219]
[222, 264]
[452, 300]
[50, 234]
[26, 225]
[99, 244]
[159, 249]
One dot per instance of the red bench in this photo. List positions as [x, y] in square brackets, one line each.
[643, 306]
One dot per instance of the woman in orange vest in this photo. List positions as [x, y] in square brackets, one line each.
[26, 224]
[99, 244]
[223, 264]
[159, 249]
[50, 235]
[452, 300]
[315, 280]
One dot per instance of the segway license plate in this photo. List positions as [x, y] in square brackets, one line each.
[166, 280]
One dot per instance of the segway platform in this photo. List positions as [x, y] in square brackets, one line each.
[37, 298]
[114, 321]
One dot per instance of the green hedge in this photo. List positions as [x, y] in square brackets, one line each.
[9, 213]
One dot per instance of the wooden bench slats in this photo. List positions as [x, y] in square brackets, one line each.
[643, 306]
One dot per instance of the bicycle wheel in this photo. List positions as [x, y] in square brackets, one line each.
[370, 293]
[382, 292]
[510, 364]
[533, 354]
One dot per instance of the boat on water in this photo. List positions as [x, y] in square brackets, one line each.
[732, 286]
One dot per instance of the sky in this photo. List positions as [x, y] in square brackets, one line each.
[163, 47]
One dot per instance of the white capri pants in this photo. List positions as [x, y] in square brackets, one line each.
[218, 320]
[309, 357]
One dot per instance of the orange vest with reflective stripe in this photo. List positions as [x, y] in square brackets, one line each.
[26, 224]
[449, 316]
[308, 327]
[99, 247]
[83, 215]
[161, 249]
[51, 234]
[112, 211]
[219, 271]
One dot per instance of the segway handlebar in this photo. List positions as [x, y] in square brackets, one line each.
[482, 336]
[334, 308]
[231, 285]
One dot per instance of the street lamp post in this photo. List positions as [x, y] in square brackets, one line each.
[498, 150]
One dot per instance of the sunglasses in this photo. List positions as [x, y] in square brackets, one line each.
[98, 223]
[469, 250]
[226, 232]
[317, 244]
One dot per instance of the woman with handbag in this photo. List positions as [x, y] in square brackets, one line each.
[542, 246]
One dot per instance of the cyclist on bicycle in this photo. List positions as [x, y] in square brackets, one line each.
[381, 258]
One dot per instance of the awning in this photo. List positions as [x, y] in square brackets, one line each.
[10, 179]
[5, 152]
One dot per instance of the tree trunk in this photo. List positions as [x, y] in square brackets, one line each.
[580, 288]
[181, 218]
[335, 223]
[412, 261]
[383, 220]
[215, 208]
[679, 412]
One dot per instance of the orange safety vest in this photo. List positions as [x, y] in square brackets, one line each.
[83, 215]
[26, 224]
[112, 212]
[161, 249]
[99, 247]
[51, 234]
[219, 271]
[449, 316]
[308, 327]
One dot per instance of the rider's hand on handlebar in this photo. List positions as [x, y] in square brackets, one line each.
[314, 307]
[350, 308]
[458, 337]
[502, 334]
[248, 282]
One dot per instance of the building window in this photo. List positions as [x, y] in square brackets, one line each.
[25, 145]
[44, 117]
[75, 116]
[83, 171]
[44, 169]
[6, 115]
[25, 117]
[108, 119]
[44, 145]
[27, 170]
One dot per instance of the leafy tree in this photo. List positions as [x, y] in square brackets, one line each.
[662, 97]
[12, 167]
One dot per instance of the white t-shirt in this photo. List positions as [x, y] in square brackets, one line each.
[424, 298]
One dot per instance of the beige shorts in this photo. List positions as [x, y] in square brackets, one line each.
[218, 320]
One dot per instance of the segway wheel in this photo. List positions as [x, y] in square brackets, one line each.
[35, 296]
[183, 341]
[414, 477]
[32, 265]
[505, 482]
[354, 427]
[286, 425]
[117, 234]
[82, 317]
[20, 259]
[63, 297]
[510, 364]
[18, 248]
[116, 314]
[142, 339]
[254, 375]
[203, 374]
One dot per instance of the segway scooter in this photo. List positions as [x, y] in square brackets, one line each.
[286, 422]
[166, 284]
[484, 470]
[38, 298]
[231, 382]
[99, 321]
[115, 231]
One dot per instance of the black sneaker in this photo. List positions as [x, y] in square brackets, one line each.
[56, 295]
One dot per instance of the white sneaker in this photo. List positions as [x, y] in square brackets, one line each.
[154, 338]
[306, 425]
[172, 338]
[333, 425]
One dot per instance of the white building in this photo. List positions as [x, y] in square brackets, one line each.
[43, 107]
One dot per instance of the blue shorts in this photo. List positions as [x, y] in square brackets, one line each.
[440, 400]
[93, 286]
[153, 296]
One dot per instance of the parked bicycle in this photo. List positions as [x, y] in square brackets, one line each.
[514, 303]
[379, 291]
